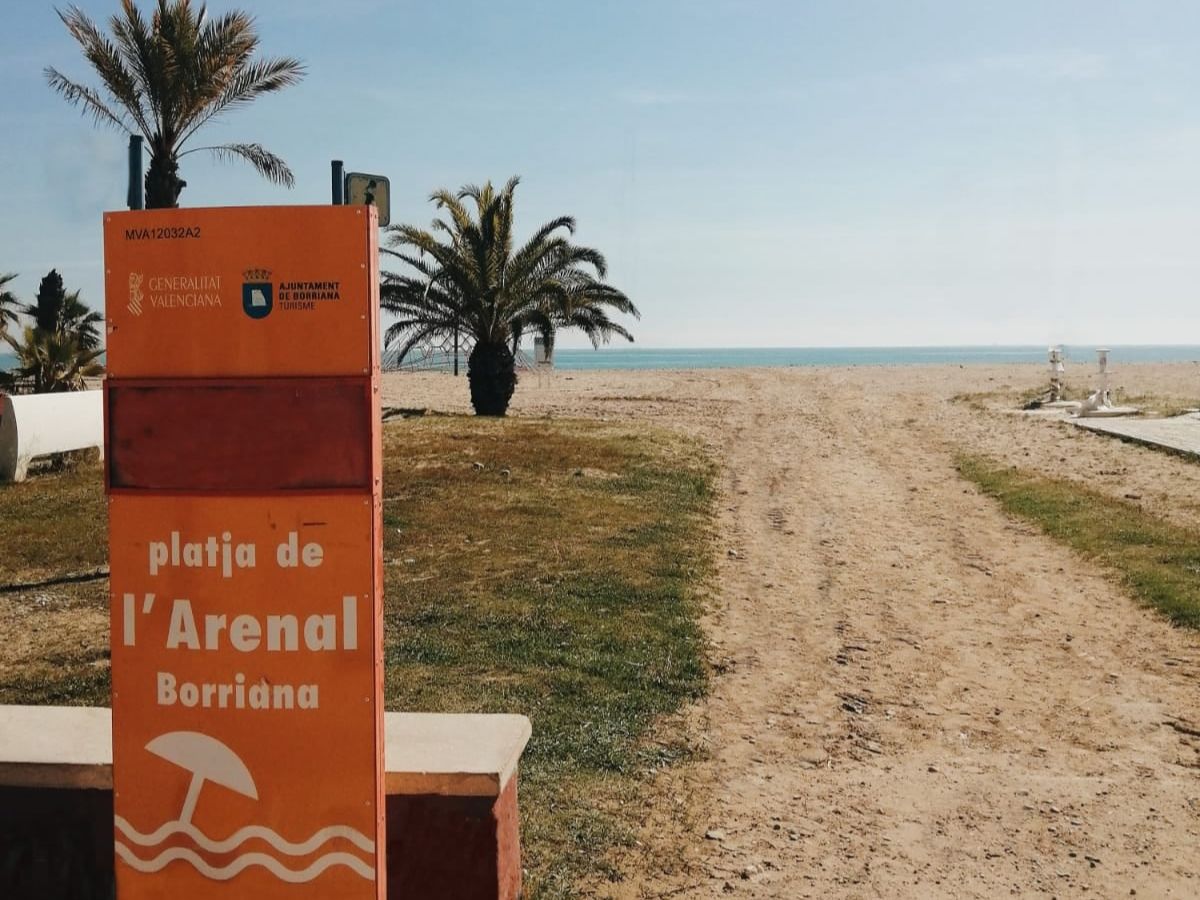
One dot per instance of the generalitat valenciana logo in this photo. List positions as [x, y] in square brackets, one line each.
[135, 293]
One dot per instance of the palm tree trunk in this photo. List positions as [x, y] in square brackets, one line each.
[492, 373]
[163, 184]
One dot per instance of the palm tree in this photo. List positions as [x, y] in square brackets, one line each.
[8, 303]
[168, 77]
[468, 278]
[81, 322]
[60, 349]
[51, 361]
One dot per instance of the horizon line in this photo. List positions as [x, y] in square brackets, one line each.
[1094, 345]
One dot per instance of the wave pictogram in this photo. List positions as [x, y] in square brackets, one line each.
[239, 837]
[243, 862]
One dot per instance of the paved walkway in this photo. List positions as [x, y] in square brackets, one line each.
[1181, 433]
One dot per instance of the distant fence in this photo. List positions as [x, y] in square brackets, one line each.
[438, 358]
[21, 386]
[422, 360]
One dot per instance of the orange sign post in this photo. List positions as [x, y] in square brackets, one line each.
[244, 480]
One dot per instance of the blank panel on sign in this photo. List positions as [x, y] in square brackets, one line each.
[249, 435]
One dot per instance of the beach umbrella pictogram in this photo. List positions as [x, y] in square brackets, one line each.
[208, 760]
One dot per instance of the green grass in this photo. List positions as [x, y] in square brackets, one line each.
[551, 568]
[53, 525]
[566, 590]
[1158, 405]
[1159, 562]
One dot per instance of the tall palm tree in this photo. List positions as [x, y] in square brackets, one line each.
[468, 276]
[8, 303]
[167, 77]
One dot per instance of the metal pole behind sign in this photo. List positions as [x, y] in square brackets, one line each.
[134, 195]
[338, 182]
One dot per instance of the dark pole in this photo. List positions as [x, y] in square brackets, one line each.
[455, 351]
[338, 182]
[134, 198]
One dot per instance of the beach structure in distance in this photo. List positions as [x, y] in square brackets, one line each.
[1057, 374]
[1056, 398]
[543, 360]
[1099, 404]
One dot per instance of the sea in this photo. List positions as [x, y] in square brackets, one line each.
[743, 357]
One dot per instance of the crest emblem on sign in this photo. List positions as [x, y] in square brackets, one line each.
[135, 293]
[258, 294]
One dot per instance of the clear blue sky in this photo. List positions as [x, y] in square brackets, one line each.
[758, 173]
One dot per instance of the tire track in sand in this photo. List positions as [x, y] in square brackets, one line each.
[922, 698]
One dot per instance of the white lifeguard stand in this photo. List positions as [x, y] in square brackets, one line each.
[1099, 404]
[1058, 381]
[543, 360]
[1058, 373]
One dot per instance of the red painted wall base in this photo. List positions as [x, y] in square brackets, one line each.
[56, 844]
[454, 848]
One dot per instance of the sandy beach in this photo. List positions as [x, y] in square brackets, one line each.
[917, 695]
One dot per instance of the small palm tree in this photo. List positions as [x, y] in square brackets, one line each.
[81, 322]
[61, 348]
[168, 77]
[8, 303]
[52, 362]
[470, 278]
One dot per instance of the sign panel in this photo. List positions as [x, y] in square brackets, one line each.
[244, 524]
[371, 190]
[243, 730]
[265, 291]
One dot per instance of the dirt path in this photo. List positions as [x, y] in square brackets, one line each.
[922, 698]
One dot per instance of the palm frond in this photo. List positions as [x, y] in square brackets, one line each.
[107, 61]
[9, 304]
[267, 163]
[81, 95]
[247, 85]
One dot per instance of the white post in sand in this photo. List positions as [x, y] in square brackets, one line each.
[1057, 371]
[1102, 359]
[543, 360]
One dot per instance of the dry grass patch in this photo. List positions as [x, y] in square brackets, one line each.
[1007, 397]
[54, 636]
[1159, 562]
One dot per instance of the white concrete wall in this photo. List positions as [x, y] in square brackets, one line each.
[36, 425]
